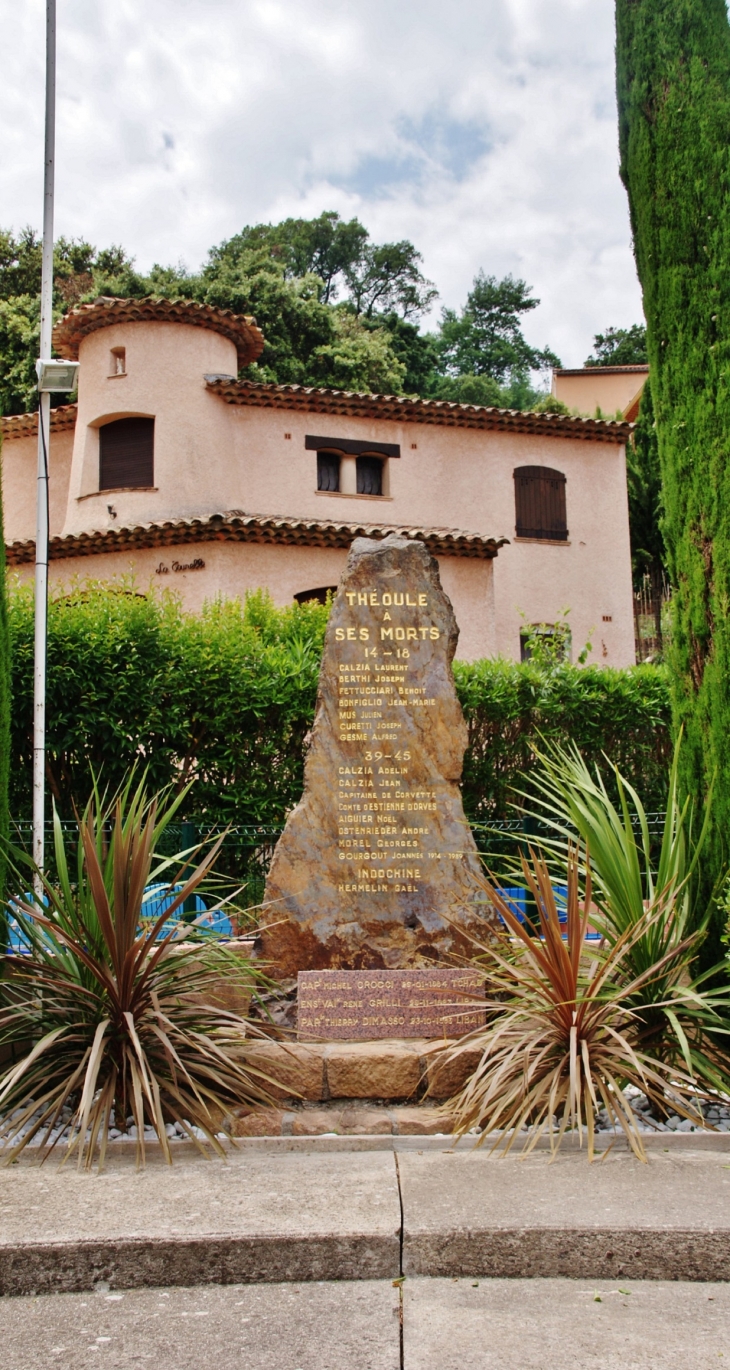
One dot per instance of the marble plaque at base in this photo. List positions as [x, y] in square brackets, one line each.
[363, 1005]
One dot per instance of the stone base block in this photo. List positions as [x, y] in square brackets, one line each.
[289, 1069]
[372, 1070]
[320, 1072]
[445, 1077]
[357, 1120]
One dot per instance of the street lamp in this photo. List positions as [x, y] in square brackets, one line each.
[52, 376]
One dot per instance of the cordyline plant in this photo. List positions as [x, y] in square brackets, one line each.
[682, 1019]
[121, 1023]
[560, 1042]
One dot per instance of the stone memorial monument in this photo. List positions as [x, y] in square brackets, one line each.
[377, 867]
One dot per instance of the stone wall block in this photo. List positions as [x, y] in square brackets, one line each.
[372, 1070]
[444, 1077]
[293, 1071]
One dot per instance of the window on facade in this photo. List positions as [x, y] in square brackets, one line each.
[369, 476]
[126, 454]
[546, 643]
[328, 470]
[540, 503]
[319, 595]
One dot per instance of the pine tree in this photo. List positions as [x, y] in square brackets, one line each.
[4, 722]
[673, 83]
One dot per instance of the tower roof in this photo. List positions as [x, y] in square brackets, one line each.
[87, 318]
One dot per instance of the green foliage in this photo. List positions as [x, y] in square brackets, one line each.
[227, 699]
[509, 706]
[673, 80]
[120, 1019]
[485, 338]
[79, 271]
[294, 320]
[335, 308]
[5, 683]
[644, 481]
[619, 347]
[325, 247]
[358, 358]
[561, 1039]
[20, 331]
[679, 1019]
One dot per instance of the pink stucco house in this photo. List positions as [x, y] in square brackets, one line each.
[171, 468]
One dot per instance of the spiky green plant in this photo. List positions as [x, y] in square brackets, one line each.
[560, 1041]
[120, 1022]
[682, 1020]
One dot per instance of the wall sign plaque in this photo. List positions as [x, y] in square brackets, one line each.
[364, 1005]
[377, 867]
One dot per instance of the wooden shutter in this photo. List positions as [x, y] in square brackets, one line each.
[369, 476]
[126, 454]
[540, 503]
[328, 470]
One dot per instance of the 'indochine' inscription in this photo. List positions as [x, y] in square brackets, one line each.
[377, 866]
[362, 1005]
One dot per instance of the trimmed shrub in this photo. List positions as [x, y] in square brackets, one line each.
[510, 706]
[227, 698]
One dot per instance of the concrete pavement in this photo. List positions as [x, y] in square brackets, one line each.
[472, 1214]
[319, 1212]
[460, 1324]
[260, 1327]
[530, 1324]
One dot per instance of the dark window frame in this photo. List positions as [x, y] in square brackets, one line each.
[127, 454]
[540, 504]
[328, 469]
[318, 595]
[352, 447]
[370, 474]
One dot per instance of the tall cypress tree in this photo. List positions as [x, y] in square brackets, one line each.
[673, 84]
[4, 720]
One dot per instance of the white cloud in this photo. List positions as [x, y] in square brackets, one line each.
[485, 131]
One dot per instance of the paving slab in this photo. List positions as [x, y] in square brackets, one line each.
[469, 1213]
[315, 1326]
[257, 1217]
[529, 1324]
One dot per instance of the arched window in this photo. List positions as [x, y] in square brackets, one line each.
[127, 454]
[540, 503]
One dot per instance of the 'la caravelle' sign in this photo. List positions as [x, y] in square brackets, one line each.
[164, 570]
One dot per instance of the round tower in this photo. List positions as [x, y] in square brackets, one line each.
[151, 441]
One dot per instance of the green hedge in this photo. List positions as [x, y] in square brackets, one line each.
[227, 698]
[510, 706]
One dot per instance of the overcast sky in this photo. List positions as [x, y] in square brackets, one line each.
[483, 130]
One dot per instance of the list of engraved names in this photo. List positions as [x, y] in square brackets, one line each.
[386, 827]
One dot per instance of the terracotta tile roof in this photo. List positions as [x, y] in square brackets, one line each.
[239, 527]
[86, 318]
[26, 425]
[406, 410]
[641, 368]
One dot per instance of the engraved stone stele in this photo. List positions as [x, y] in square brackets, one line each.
[377, 867]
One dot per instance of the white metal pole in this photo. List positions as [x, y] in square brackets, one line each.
[44, 434]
